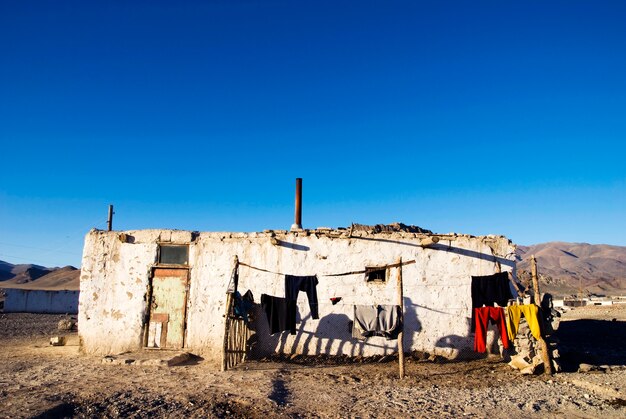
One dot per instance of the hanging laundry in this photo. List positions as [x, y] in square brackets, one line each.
[243, 305]
[490, 289]
[376, 320]
[530, 312]
[295, 284]
[483, 316]
[280, 312]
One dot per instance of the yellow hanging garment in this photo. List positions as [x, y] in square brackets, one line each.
[530, 312]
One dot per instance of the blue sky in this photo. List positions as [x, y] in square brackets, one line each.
[474, 117]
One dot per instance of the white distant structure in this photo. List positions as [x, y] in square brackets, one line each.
[55, 292]
[40, 301]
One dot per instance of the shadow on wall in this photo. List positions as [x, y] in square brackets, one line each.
[460, 347]
[451, 249]
[332, 336]
[292, 246]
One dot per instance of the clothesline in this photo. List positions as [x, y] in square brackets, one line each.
[393, 265]
[451, 310]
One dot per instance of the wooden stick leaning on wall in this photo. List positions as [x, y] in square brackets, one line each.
[229, 303]
[510, 276]
[401, 334]
[225, 353]
[545, 355]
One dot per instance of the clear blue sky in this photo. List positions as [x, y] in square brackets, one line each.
[471, 116]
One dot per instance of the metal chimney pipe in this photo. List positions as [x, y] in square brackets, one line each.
[298, 213]
[110, 218]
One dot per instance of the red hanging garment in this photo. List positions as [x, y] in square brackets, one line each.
[483, 315]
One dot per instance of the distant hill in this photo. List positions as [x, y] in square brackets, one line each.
[568, 268]
[22, 273]
[29, 276]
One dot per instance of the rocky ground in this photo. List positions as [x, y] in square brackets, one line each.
[38, 380]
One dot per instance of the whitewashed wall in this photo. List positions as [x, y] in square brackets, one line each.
[437, 298]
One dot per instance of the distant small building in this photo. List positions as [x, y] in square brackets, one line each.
[168, 288]
[54, 292]
[40, 301]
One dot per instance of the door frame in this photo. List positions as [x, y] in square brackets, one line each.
[146, 324]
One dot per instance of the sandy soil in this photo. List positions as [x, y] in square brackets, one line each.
[38, 380]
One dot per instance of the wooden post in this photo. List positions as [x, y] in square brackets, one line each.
[229, 303]
[110, 218]
[401, 334]
[535, 278]
[225, 353]
[545, 355]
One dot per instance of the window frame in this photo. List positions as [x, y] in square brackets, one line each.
[159, 254]
[371, 269]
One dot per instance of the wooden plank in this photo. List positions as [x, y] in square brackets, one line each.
[170, 272]
[160, 317]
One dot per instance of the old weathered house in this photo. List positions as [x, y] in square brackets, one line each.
[167, 288]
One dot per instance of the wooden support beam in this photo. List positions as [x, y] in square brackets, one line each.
[401, 334]
[519, 292]
[225, 354]
[429, 241]
[510, 276]
[545, 355]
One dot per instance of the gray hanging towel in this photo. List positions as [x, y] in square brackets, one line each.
[377, 320]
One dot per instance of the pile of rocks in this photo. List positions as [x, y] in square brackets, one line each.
[528, 350]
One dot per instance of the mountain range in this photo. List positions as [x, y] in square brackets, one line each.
[576, 268]
[29, 276]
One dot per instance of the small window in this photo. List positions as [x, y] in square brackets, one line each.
[375, 275]
[174, 254]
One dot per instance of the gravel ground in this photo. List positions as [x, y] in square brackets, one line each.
[38, 380]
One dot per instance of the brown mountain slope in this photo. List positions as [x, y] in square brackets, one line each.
[22, 272]
[67, 278]
[568, 268]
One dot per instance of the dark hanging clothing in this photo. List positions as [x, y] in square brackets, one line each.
[308, 284]
[243, 305]
[490, 289]
[280, 312]
[377, 320]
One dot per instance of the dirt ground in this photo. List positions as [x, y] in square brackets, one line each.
[38, 380]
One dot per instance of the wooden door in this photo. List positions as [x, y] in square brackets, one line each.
[168, 308]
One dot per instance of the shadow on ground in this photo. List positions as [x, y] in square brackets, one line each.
[596, 342]
[280, 393]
